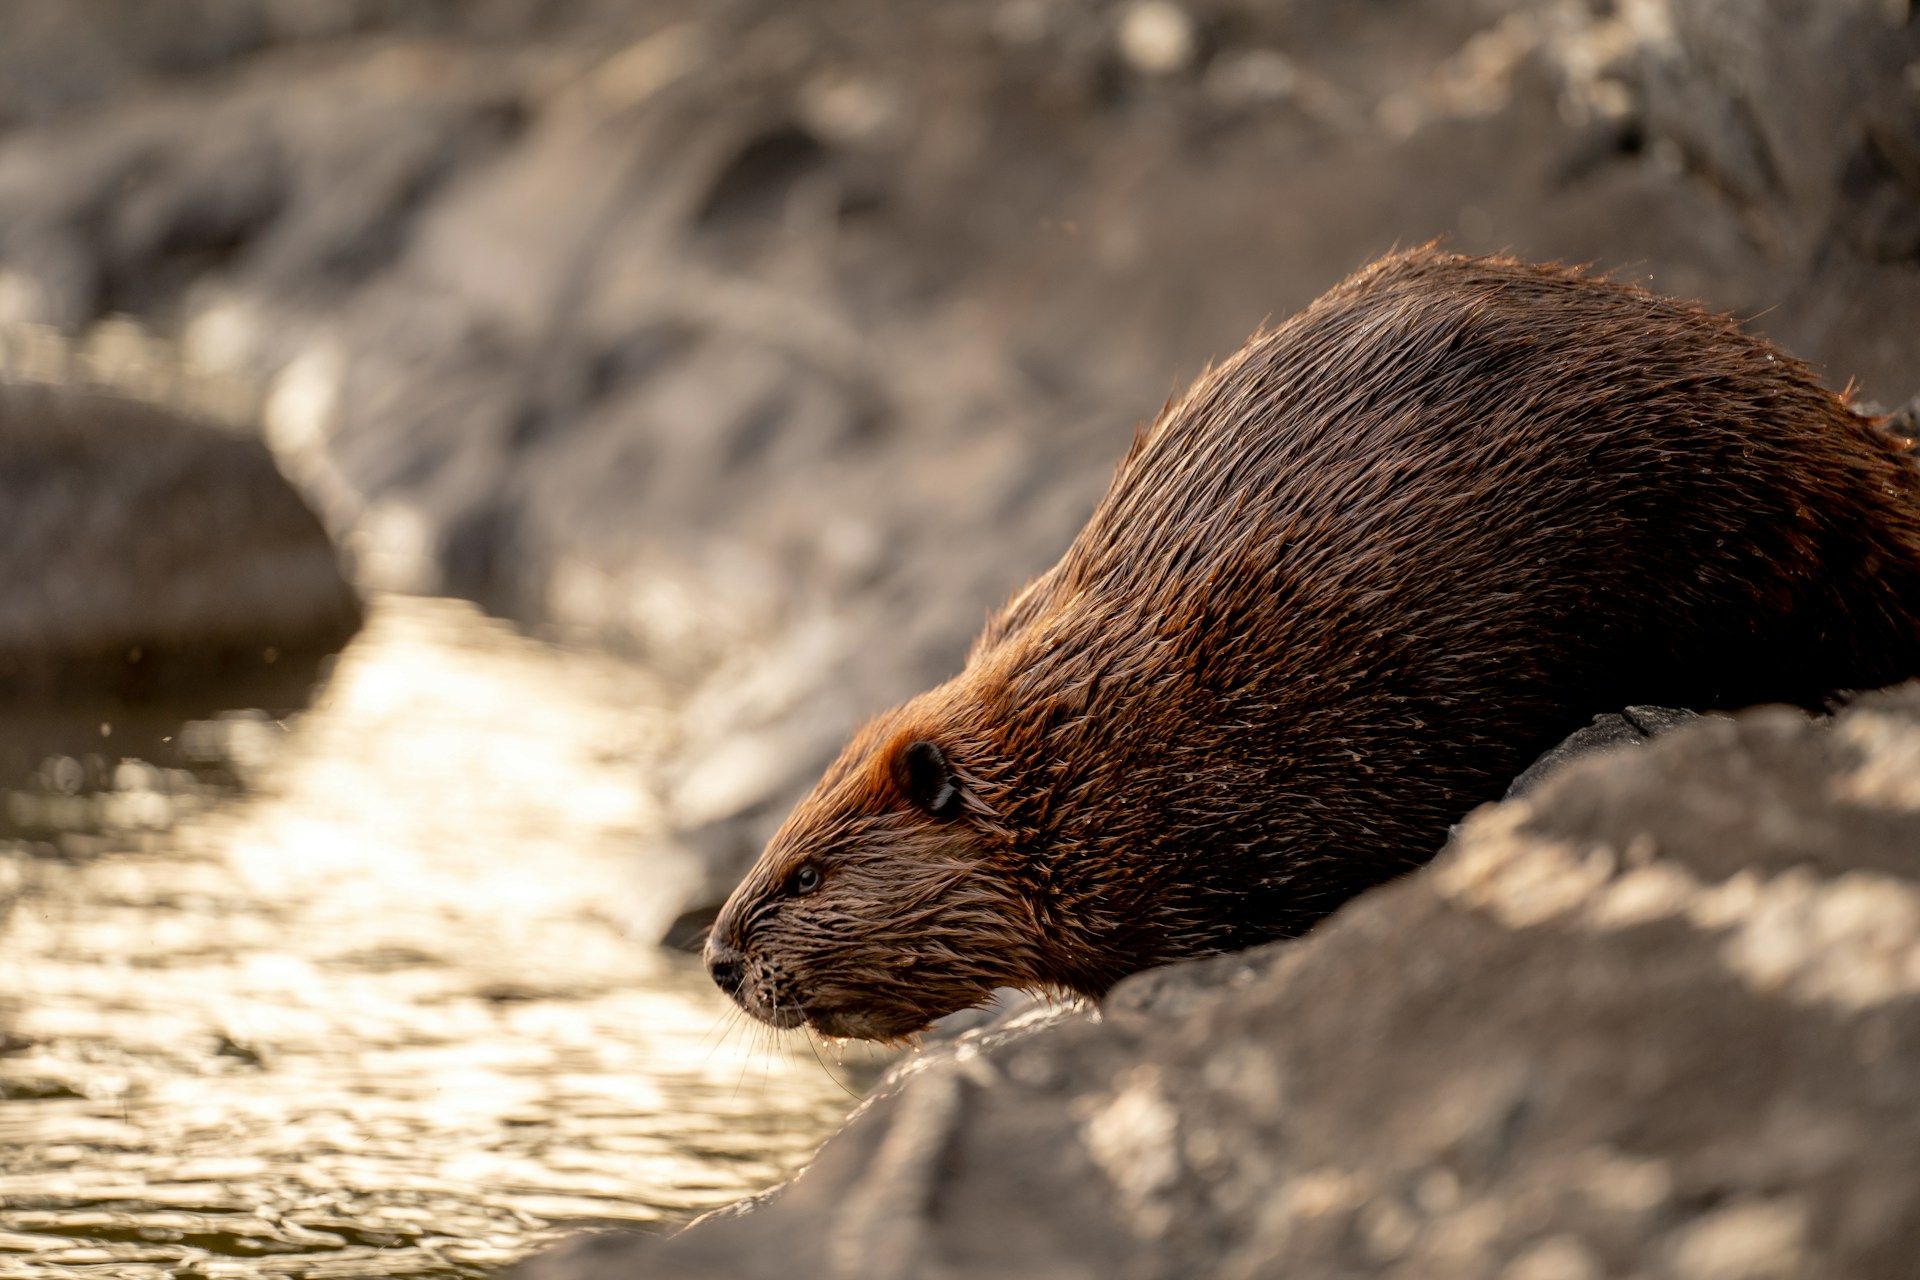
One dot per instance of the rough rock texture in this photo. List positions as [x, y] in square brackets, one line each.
[1660, 1019]
[144, 551]
[1633, 726]
[776, 343]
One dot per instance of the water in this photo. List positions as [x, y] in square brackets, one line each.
[361, 995]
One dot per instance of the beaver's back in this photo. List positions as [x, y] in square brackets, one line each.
[1369, 567]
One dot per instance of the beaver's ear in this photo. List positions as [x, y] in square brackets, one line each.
[924, 778]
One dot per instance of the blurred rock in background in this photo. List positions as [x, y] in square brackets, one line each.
[145, 552]
[775, 344]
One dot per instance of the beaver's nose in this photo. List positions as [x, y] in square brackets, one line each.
[728, 967]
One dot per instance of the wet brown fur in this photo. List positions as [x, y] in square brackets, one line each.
[1338, 594]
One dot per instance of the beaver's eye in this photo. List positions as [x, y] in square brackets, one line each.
[804, 881]
[926, 780]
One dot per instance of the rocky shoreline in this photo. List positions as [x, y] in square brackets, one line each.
[1661, 1017]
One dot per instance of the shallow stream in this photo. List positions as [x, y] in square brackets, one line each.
[363, 990]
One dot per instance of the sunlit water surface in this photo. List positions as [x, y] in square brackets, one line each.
[384, 1010]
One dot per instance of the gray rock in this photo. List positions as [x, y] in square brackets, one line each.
[1661, 1018]
[1632, 727]
[144, 550]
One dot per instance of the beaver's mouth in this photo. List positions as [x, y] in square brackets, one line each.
[845, 1023]
[888, 1021]
[784, 1015]
[864, 1024]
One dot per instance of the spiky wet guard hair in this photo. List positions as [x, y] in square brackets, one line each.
[1337, 594]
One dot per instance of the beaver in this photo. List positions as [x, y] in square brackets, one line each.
[1338, 594]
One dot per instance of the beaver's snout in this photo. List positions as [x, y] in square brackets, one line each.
[756, 984]
[727, 965]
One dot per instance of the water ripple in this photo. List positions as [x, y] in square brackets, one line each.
[386, 1014]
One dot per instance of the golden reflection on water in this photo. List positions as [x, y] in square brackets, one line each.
[386, 1015]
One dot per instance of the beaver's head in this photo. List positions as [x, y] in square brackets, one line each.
[892, 894]
[1028, 824]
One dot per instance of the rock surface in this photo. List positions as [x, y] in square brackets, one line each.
[1633, 726]
[778, 344]
[1661, 1018]
[145, 551]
